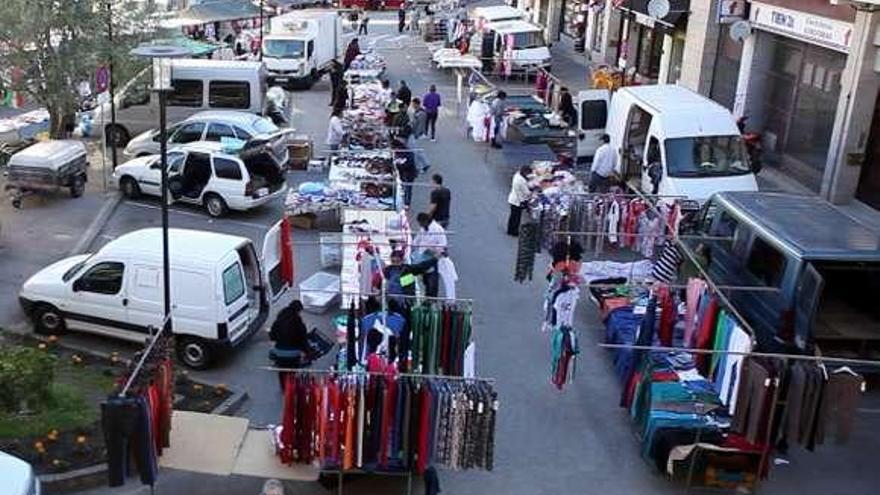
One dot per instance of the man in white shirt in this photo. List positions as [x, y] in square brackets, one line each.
[603, 167]
[335, 131]
[519, 194]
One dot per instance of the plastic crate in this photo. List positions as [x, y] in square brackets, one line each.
[331, 249]
[319, 291]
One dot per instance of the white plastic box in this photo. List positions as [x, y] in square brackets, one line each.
[319, 291]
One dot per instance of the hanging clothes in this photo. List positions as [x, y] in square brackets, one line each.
[527, 247]
[564, 347]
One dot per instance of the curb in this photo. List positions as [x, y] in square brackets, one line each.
[97, 224]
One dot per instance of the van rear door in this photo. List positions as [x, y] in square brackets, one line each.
[592, 118]
[277, 260]
[806, 301]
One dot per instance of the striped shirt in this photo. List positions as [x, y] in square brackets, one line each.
[666, 267]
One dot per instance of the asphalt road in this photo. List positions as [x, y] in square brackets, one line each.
[548, 442]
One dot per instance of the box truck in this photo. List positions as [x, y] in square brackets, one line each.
[300, 46]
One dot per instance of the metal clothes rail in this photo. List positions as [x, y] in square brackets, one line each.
[375, 373]
[402, 296]
[648, 285]
[599, 233]
[144, 356]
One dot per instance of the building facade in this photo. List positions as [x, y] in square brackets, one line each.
[803, 72]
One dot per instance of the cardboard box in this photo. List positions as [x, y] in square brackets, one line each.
[306, 221]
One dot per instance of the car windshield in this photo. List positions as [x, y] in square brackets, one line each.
[72, 271]
[706, 156]
[522, 41]
[265, 126]
[283, 48]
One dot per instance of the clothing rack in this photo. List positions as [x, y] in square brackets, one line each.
[402, 296]
[374, 373]
[621, 195]
[775, 402]
[646, 285]
[605, 234]
[692, 257]
[144, 356]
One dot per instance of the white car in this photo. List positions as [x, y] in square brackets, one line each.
[207, 174]
[213, 125]
[17, 477]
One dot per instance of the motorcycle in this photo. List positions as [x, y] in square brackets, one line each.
[753, 142]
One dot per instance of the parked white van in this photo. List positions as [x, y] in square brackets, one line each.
[198, 85]
[668, 139]
[495, 13]
[528, 52]
[221, 290]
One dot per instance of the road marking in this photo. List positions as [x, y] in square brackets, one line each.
[199, 215]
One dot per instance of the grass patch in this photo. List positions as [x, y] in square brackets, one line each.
[65, 409]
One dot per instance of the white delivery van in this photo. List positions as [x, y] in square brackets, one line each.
[199, 85]
[519, 42]
[667, 139]
[221, 290]
[301, 45]
[495, 13]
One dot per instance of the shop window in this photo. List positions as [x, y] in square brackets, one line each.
[229, 94]
[186, 93]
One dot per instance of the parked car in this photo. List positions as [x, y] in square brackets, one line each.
[208, 174]
[221, 290]
[17, 477]
[822, 262]
[209, 126]
[47, 166]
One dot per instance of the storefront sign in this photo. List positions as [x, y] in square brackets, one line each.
[730, 11]
[823, 31]
[645, 20]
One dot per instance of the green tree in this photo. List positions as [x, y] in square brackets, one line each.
[57, 44]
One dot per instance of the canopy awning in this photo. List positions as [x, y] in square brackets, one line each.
[678, 10]
[215, 11]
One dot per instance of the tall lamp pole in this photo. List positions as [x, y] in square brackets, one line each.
[161, 57]
[114, 132]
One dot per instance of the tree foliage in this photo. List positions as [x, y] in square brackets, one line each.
[56, 44]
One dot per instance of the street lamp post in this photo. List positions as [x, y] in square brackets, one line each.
[161, 58]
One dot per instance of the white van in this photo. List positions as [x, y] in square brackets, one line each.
[667, 138]
[221, 290]
[199, 85]
[495, 13]
[529, 50]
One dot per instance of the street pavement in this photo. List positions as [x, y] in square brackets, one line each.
[548, 441]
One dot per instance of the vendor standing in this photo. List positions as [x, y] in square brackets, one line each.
[291, 339]
[498, 107]
[335, 130]
[603, 167]
[518, 197]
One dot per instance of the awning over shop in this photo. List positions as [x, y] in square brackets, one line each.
[678, 10]
[216, 11]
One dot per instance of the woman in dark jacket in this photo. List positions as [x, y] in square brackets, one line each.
[291, 339]
[351, 53]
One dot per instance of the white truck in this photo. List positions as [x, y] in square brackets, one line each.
[667, 139]
[301, 46]
[519, 43]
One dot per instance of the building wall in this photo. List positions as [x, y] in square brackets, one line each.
[701, 47]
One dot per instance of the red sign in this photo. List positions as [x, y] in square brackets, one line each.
[102, 79]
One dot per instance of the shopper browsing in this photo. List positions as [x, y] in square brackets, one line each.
[291, 339]
[404, 94]
[418, 118]
[499, 106]
[603, 167]
[335, 130]
[431, 104]
[440, 199]
[519, 195]
[405, 162]
[362, 27]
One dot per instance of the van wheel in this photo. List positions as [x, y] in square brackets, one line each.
[116, 134]
[215, 205]
[129, 187]
[78, 187]
[194, 352]
[48, 320]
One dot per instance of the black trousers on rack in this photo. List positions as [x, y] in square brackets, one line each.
[127, 431]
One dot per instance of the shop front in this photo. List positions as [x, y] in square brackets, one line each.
[649, 48]
[795, 65]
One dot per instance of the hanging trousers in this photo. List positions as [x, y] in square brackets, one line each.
[127, 431]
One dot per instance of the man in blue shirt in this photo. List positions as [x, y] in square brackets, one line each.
[431, 104]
